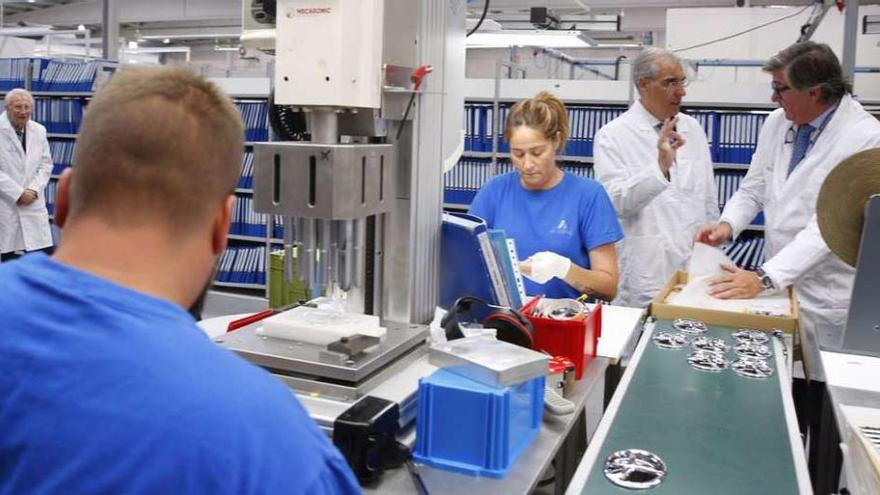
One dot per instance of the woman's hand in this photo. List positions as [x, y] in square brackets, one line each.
[545, 265]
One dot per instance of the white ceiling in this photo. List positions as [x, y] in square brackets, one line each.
[139, 17]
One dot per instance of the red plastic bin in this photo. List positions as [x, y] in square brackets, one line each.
[574, 339]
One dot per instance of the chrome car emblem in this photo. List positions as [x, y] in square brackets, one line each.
[752, 367]
[670, 340]
[707, 361]
[751, 336]
[753, 350]
[711, 344]
[692, 327]
[635, 469]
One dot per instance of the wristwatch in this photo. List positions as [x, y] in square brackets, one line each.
[766, 282]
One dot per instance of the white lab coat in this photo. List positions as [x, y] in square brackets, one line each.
[23, 227]
[659, 216]
[795, 251]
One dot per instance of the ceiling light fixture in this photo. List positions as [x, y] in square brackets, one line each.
[191, 36]
[508, 38]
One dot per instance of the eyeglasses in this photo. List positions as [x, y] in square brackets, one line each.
[674, 83]
[778, 89]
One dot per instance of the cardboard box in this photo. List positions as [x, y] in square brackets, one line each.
[662, 310]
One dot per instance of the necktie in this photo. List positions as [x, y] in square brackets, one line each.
[659, 127]
[801, 143]
[21, 138]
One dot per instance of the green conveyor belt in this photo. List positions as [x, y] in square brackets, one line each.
[718, 433]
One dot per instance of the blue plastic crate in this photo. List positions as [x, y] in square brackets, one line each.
[472, 428]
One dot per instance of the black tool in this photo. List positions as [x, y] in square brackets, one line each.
[365, 434]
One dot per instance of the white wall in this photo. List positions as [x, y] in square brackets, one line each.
[481, 63]
[212, 63]
[687, 27]
[16, 47]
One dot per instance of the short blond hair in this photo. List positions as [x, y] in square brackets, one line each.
[543, 112]
[157, 145]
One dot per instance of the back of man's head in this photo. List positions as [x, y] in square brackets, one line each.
[809, 64]
[158, 147]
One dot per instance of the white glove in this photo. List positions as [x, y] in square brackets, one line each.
[541, 267]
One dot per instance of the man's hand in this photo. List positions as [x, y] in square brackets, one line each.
[27, 197]
[735, 284]
[667, 144]
[543, 266]
[714, 235]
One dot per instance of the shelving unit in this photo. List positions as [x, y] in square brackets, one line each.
[61, 91]
[244, 264]
[732, 134]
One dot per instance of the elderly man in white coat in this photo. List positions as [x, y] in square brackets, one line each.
[818, 125]
[655, 164]
[25, 166]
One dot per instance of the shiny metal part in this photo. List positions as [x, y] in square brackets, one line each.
[752, 367]
[325, 181]
[751, 336]
[635, 469]
[670, 340]
[290, 243]
[711, 344]
[561, 309]
[780, 335]
[313, 362]
[753, 350]
[708, 361]
[692, 327]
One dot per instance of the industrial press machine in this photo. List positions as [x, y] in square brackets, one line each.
[359, 190]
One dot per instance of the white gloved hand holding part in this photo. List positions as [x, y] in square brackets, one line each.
[541, 267]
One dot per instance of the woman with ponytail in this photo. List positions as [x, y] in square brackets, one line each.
[564, 225]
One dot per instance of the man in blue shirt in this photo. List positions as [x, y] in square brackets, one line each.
[108, 386]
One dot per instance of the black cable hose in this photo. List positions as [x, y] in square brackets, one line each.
[480, 22]
[287, 123]
[264, 11]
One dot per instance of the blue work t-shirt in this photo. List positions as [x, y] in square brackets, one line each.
[107, 390]
[569, 219]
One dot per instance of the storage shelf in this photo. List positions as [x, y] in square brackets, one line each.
[239, 285]
[731, 166]
[60, 135]
[75, 94]
[755, 227]
[561, 158]
[249, 238]
[242, 190]
[689, 105]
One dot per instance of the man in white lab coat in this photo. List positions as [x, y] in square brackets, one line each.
[655, 164]
[818, 125]
[25, 166]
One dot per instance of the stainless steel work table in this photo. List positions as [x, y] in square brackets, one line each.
[554, 440]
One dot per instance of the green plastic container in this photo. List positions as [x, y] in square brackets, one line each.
[280, 293]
